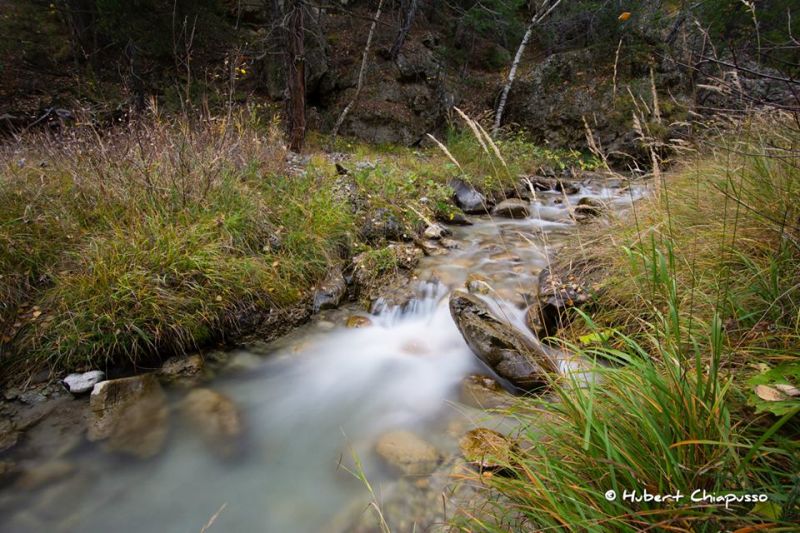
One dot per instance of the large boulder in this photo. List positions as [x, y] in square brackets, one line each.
[216, 418]
[130, 415]
[513, 355]
[408, 454]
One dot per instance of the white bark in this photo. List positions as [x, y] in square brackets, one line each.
[361, 73]
[546, 9]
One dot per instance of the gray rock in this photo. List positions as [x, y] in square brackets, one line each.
[588, 208]
[514, 356]
[243, 362]
[83, 383]
[468, 198]
[330, 293]
[381, 225]
[407, 454]
[512, 208]
[130, 415]
[8, 435]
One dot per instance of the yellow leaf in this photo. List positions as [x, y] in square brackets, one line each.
[625, 15]
[36, 314]
[218, 298]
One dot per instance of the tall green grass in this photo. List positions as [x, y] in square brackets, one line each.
[700, 298]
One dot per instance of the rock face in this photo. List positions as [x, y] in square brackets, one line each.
[468, 198]
[216, 418]
[512, 355]
[512, 208]
[83, 383]
[330, 293]
[130, 414]
[407, 453]
[487, 449]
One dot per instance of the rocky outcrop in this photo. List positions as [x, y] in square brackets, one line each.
[407, 454]
[130, 415]
[511, 354]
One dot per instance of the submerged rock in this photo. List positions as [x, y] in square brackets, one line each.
[477, 284]
[468, 198]
[512, 208]
[330, 293]
[512, 355]
[484, 392]
[43, 474]
[216, 418]
[83, 383]
[8, 435]
[358, 321]
[130, 415]
[407, 453]
[487, 449]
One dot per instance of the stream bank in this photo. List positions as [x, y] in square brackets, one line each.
[324, 390]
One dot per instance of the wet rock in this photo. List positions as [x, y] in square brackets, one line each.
[435, 232]
[450, 244]
[83, 383]
[130, 415]
[557, 293]
[534, 321]
[408, 256]
[330, 293]
[588, 208]
[511, 354]
[432, 248]
[512, 208]
[415, 347]
[567, 187]
[358, 321]
[477, 284]
[8, 435]
[244, 362]
[484, 392]
[487, 449]
[468, 198]
[181, 367]
[407, 454]
[44, 474]
[216, 418]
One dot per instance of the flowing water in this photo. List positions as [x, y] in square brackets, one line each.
[312, 400]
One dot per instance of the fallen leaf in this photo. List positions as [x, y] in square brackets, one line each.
[625, 15]
[788, 390]
[218, 298]
[36, 314]
[769, 394]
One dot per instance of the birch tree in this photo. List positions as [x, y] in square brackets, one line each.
[544, 10]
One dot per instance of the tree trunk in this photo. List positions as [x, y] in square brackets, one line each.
[409, 11]
[361, 73]
[512, 74]
[296, 75]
